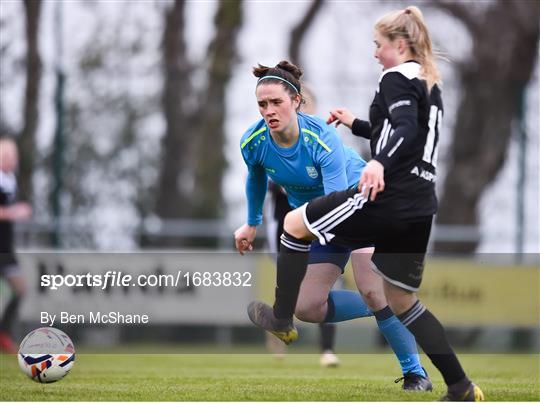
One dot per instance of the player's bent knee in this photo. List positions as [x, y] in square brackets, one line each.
[294, 225]
[309, 311]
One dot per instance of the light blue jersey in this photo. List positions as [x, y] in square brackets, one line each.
[318, 164]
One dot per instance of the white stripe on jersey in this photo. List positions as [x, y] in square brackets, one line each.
[385, 133]
[389, 134]
[393, 150]
[378, 147]
[430, 141]
[439, 128]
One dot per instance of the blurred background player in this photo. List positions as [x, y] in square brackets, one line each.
[276, 207]
[10, 211]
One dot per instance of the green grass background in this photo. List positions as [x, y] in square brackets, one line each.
[261, 377]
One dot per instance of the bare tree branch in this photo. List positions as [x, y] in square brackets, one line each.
[493, 81]
[298, 32]
[460, 10]
[27, 139]
[210, 163]
[172, 199]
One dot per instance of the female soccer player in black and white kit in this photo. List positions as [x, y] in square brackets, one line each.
[394, 203]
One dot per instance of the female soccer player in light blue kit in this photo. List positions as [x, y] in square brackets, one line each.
[304, 155]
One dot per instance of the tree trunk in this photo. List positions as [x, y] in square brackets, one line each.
[27, 139]
[211, 162]
[173, 199]
[505, 48]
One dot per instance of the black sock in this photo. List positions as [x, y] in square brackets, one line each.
[460, 386]
[10, 313]
[330, 310]
[291, 268]
[328, 335]
[430, 335]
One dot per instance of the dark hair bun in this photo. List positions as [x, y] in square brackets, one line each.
[284, 70]
[284, 65]
[260, 71]
[291, 68]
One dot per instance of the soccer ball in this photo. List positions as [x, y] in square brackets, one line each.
[46, 355]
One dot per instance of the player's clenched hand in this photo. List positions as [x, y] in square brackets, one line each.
[372, 179]
[244, 237]
[341, 115]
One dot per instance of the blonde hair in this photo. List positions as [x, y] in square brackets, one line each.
[409, 24]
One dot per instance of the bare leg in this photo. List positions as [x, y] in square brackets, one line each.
[368, 282]
[294, 225]
[399, 299]
[312, 304]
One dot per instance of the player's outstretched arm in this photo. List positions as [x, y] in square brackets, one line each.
[341, 115]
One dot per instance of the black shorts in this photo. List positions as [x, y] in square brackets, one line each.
[345, 218]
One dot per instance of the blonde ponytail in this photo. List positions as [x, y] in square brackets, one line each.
[409, 24]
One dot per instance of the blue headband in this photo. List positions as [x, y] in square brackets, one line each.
[281, 79]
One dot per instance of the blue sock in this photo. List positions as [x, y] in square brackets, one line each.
[346, 305]
[401, 340]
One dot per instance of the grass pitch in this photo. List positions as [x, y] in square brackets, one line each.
[261, 377]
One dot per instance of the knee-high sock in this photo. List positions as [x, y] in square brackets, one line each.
[328, 335]
[401, 341]
[10, 313]
[346, 305]
[430, 335]
[291, 268]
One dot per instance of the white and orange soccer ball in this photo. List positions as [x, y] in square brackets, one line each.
[46, 355]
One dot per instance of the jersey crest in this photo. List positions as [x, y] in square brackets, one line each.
[312, 172]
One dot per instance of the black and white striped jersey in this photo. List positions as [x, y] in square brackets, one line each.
[405, 121]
